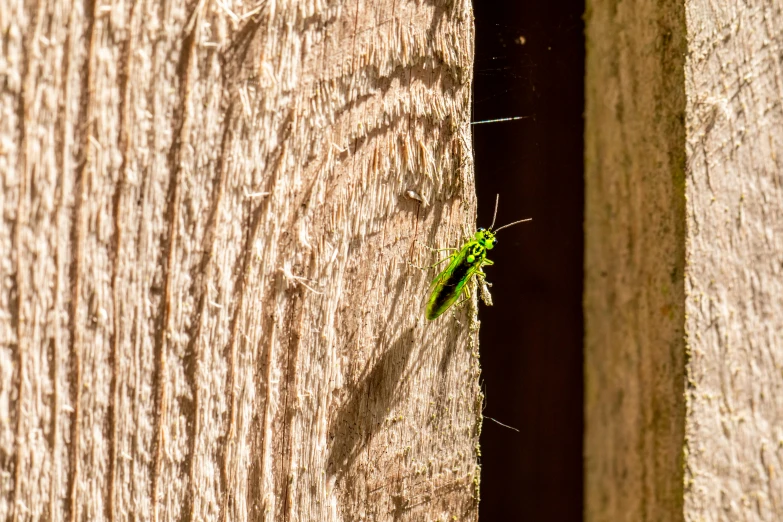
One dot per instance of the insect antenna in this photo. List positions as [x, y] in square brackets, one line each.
[495, 215]
[514, 223]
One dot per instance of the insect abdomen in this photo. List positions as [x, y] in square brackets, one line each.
[449, 290]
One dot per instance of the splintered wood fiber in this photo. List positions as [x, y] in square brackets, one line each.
[208, 309]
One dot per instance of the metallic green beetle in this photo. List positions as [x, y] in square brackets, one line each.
[465, 263]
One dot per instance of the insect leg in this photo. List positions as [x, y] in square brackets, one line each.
[467, 296]
[448, 249]
[431, 266]
[439, 262]
[480, 273]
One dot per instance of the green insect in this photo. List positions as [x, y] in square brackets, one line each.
[465, 262]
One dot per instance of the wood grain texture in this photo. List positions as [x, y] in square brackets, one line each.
[634, 261]
[726, 304]
[207, 309]
[735, 231]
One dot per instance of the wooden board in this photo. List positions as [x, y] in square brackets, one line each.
[208, 311]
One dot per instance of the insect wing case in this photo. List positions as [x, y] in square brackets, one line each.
[448, 286]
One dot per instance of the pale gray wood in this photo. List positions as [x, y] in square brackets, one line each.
[207, 311]
[734, 466]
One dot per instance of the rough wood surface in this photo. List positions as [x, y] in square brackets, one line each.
[711, 450]
[206, 310]
[734, 465]
[634, 261]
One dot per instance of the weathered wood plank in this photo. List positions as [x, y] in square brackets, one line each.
[735, 243]
[711, 449]
[207, 311]
[634, 261]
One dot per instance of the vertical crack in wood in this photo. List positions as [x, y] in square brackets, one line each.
[64, 124]
[294, 345]
[261, 209]
[266, 422]
[179, 144]
[17, 314]
[230, 355]
[29, 64]
[77, 242]
[201, 279]
[124, 125]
